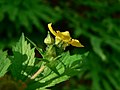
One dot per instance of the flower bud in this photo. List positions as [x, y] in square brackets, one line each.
[49, 39]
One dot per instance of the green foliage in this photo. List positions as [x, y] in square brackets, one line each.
[94, 22]
[27, 13]
[4, 63]
[23, 57]
[66, 66]
[24, 16]
[24, 64]
[98, 22]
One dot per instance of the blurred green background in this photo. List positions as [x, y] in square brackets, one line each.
[96, 23]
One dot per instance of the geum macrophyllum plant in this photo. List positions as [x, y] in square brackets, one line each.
[62, 40]
[56, 65]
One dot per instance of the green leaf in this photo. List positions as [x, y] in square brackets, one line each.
[52, 65]
[23, 20]
[113, 81]
[96, 43]
[68, 59]
[96, 80]
[39, 49]
[4, 63]
[106, 85]
[16, 68]
[63, 68]
[25, 49]
[34, 19]
[13, 11]
[23, 58]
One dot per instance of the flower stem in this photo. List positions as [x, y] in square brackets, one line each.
[38, 72]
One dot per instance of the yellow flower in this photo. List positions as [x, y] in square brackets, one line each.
[65, 37]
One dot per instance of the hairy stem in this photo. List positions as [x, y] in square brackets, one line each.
[38, 72]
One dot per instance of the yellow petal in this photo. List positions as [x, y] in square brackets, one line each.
[76, 43]
[66, 33]
[65, 36]
[51, 29]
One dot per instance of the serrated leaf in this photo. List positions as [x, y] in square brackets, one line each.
[64, 65]
[24, 48]
[52, 65]
[57, 80]
[17, 67]
[4, 63]
[23, 57]
[68, 59]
